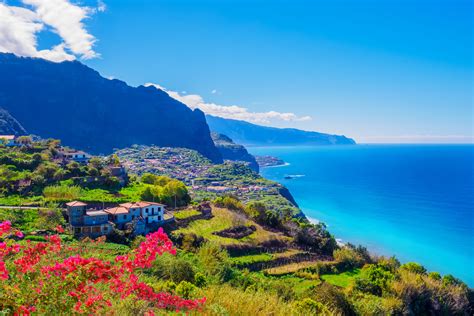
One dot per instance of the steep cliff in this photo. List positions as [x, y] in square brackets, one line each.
[232, 151]
[73, 102]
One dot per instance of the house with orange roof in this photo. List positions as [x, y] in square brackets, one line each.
[141, 217]
[151, 212]
[87, 222]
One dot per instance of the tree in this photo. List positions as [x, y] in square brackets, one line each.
[152, 193]
[148, 178]
[175, 193]
[95, 162]
[114, 160]
[414, 268]
[374, 279]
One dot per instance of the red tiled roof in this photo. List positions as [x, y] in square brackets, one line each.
[136, 204]
[76, 203]
[117, 210]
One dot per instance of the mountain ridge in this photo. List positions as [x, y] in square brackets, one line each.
[249, 134]
[72, 101]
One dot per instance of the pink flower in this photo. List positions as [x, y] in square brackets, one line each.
[5, 227]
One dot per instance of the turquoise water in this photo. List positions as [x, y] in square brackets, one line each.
[412, 201]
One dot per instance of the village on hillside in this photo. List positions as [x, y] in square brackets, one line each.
[93, 217]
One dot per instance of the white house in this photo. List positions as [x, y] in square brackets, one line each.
[149, 211]
[77, 156]
[9, 140]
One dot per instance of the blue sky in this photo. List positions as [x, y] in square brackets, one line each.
[378, 71]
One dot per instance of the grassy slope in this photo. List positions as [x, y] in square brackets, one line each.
[224, 219]
[343, 279]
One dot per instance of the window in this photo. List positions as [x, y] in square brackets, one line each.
[125, 217]
[159, 218]
[146, 210]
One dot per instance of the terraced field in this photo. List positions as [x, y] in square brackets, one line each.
[224, 219]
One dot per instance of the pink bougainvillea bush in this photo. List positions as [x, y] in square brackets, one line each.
[54, 278]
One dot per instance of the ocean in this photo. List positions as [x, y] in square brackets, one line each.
[412, 201]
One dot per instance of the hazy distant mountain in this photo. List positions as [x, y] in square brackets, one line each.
[73, 102]
[9, 125]
[251, 134]
[232, 151]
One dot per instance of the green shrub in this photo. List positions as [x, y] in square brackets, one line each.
[186, 290]
[334, 299]
[229, 202]
[435, 276]
[215, 261]
[374, 279]
[174, 268]
[309, 306]
[413, 267]
[200, 279]
[348, 258]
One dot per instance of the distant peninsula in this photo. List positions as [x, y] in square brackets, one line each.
[269, 161]
[249, 134]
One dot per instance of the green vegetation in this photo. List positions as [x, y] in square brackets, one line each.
[285, 266]
[224, 219]
[186, 214]
[30, 220]
[342, 279]
[38, 168]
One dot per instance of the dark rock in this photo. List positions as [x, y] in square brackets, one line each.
[237, 232]
[73, 102]
[232, 151]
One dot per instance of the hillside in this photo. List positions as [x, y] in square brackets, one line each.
[240, 254]
[207, 181]
[232, 151]
[73, 102]
[247, 133]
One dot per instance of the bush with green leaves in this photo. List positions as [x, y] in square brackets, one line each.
[229, 202]
[174, 268]
[186, 290]
[215, 262]
[374, 279]
[413, 267]
[308, 306]
[350, 257]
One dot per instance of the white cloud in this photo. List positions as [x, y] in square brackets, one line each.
[19, 27]
[195, 101]
[101, 7]
[214, 91]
